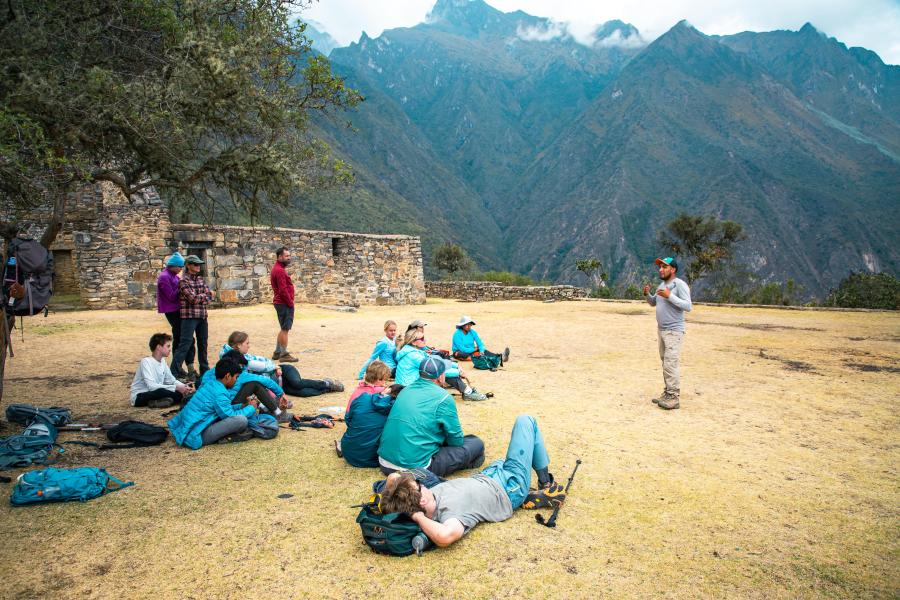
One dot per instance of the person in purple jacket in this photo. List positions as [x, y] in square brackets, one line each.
[168, 303]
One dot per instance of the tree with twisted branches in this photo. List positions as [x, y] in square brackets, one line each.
[702, 243]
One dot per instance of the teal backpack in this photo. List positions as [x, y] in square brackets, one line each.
[34, 445]
[63, 485]
[483, 362]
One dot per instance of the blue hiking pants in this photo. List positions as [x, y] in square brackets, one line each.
[526, 451]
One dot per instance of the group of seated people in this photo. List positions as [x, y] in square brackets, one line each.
[229, 398]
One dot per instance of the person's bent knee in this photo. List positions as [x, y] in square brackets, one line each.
[526, 420]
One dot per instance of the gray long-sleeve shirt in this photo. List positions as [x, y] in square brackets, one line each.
[670, 311]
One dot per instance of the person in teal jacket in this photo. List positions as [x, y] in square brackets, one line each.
[466, 342]
[385, 350]
[209, 415]
[250, 384]
[411, 355]
[365, 421]
[423, 428]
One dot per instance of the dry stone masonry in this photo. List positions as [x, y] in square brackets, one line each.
[485, 290]
[111, 251]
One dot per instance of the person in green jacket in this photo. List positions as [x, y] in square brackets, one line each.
[423, 428]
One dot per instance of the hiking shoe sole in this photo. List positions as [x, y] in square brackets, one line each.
[669, 406]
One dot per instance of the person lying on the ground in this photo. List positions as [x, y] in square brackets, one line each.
[423, 428]
[209, 415]
[260, 365]
[153, 384]
[385, 350]
[377, 374]
[365, 421]
[295, 385]
[466, 342]
[451, 509]
[267, 391]
[411, 355]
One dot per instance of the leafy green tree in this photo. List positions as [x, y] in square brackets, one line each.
[208, 101]
[593, 270]
[703, 244]
[867, 290]
[451, 258]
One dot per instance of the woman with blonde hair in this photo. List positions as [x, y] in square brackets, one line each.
[411, 355]
[385, 350]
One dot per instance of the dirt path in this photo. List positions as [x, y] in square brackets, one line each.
[777, 478]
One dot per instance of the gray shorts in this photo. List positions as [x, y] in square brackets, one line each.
[285, 316]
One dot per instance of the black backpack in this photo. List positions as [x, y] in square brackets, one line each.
[24, 414]
[135, 434]
[28, 281]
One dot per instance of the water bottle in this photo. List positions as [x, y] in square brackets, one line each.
[419, 542]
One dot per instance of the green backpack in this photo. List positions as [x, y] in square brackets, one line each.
[484, 362]
[394, 533]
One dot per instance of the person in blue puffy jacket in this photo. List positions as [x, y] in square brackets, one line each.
[385, 350]
[210, 416]
[265, 389]
[365, 421]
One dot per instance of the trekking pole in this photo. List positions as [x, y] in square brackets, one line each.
[551, 522]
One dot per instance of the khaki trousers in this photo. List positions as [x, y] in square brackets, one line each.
[669, 352]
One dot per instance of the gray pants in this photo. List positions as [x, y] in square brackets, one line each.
[225, 427]
[669, 353]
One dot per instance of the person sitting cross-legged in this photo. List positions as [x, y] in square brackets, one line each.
[466, 342]
[265, 389]
[209, 415]
[451, 509]
[153, 384]
[423, 428]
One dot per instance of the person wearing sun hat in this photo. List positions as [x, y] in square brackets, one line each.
[466, 342]
[672, 299]
[169, 304]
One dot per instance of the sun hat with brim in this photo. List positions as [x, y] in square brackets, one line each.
[416, 323]
[432, 367]
[176, 260]
[193, 259]
[464, 320]
[667, 261]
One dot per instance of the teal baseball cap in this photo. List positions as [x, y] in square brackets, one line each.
[667, 261]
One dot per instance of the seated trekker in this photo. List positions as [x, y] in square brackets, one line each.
[419, 325]
[411, 355]
[249, 384]
[467, 343]
[209, 415]
[153, 384]
[451, 509]
[377, 374]
[385, 350]
[423, 429]
[365, 421]
[260, 365]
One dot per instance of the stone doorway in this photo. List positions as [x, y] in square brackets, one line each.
[65, 282]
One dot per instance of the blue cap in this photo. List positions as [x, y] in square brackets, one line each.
[432, 367]
[667, 261]
[176, 260]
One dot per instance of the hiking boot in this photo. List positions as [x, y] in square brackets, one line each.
[284, 417]
[240, 436]
[160, 403]
[548, 497]
[669, 402]
[334, 385]
[475, 396]
[506, 356]
[192, 373]
[276, 355]
[286, 357]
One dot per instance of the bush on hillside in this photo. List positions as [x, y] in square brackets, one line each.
[867, 290]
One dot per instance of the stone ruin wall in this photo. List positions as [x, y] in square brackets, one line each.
[113, 250]
[482, 291]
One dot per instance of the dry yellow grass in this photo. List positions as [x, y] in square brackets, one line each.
[775, 479]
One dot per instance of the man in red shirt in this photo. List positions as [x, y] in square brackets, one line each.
[283, 299]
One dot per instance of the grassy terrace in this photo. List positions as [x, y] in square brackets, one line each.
[777, 478]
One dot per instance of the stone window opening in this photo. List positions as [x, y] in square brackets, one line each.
[339, 247]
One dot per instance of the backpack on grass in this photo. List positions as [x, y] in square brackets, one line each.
[135, 434]
[264, 427]
[484, 362]
[34, 445]
[24, 414]
[62, 485]
[395, 534]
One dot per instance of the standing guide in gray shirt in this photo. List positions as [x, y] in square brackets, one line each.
[672, 299]
[451, 509]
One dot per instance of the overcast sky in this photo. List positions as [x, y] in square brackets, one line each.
[873, 24]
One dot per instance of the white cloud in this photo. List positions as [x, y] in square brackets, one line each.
[872, 24]
[615, 39]
[535, 33]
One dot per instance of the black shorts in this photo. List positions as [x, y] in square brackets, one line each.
[285, 316]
